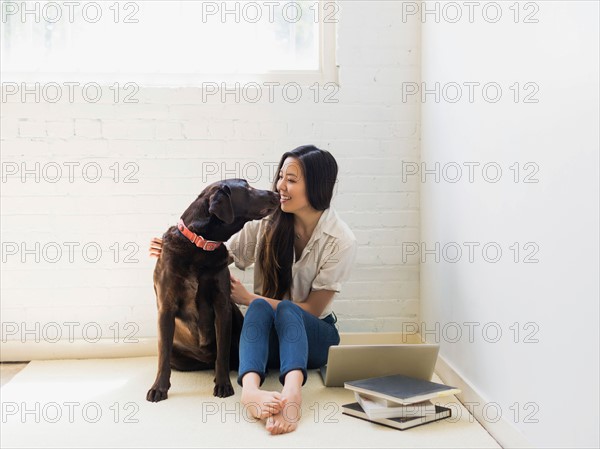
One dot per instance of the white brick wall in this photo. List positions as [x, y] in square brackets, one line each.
[166, 137]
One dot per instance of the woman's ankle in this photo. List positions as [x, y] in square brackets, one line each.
[251, 381]
[294, 379]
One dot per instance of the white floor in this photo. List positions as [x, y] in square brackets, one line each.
[101, 403]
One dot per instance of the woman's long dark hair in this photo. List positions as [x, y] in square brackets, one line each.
[275, 258]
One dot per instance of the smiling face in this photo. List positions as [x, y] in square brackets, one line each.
[291, 185]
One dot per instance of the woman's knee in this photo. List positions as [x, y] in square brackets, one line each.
[286, 307]
[260, 305]
[258, 320]
[287, 311]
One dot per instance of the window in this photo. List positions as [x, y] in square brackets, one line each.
[169, 43]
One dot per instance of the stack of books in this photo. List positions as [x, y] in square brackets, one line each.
[398, 401]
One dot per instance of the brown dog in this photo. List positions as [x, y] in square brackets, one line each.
[199, 325]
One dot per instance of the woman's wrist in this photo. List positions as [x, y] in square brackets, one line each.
[249, 298]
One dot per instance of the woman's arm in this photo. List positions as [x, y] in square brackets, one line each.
[315, 303]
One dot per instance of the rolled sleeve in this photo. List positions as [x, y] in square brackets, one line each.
[336, 268]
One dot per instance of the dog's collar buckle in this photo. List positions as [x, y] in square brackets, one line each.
[198, 240]
[210, 246]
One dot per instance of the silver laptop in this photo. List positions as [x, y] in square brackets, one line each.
[360, 356]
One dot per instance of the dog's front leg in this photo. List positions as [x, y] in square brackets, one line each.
[166, 330]
[223, 387]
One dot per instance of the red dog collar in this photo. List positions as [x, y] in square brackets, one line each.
[199, 241]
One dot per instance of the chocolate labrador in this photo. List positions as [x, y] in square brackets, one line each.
[199, 325]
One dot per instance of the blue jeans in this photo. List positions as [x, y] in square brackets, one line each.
[288, 338]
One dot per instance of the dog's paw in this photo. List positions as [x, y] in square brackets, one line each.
[157, 394]
[223, 390]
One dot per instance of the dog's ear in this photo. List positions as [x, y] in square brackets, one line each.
[220, 205]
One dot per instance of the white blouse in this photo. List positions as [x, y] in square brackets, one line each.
[326, 261]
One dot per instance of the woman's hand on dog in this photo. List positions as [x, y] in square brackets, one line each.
[155, 247]
[239, 293]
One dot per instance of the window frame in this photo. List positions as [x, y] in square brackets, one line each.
[328, 71]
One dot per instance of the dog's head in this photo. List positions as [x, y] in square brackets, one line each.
[225, 206]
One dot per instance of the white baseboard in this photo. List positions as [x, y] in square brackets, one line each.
[503, 431]
[16, 351]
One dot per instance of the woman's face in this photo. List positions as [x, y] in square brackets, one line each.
[291, 186]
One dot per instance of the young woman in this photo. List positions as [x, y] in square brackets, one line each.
[302, 254]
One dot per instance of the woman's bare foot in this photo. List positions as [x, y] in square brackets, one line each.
[287, 419]
[260, 403]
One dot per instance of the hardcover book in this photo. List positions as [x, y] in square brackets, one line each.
[400, 389]
[356, 410]
[382, 408]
